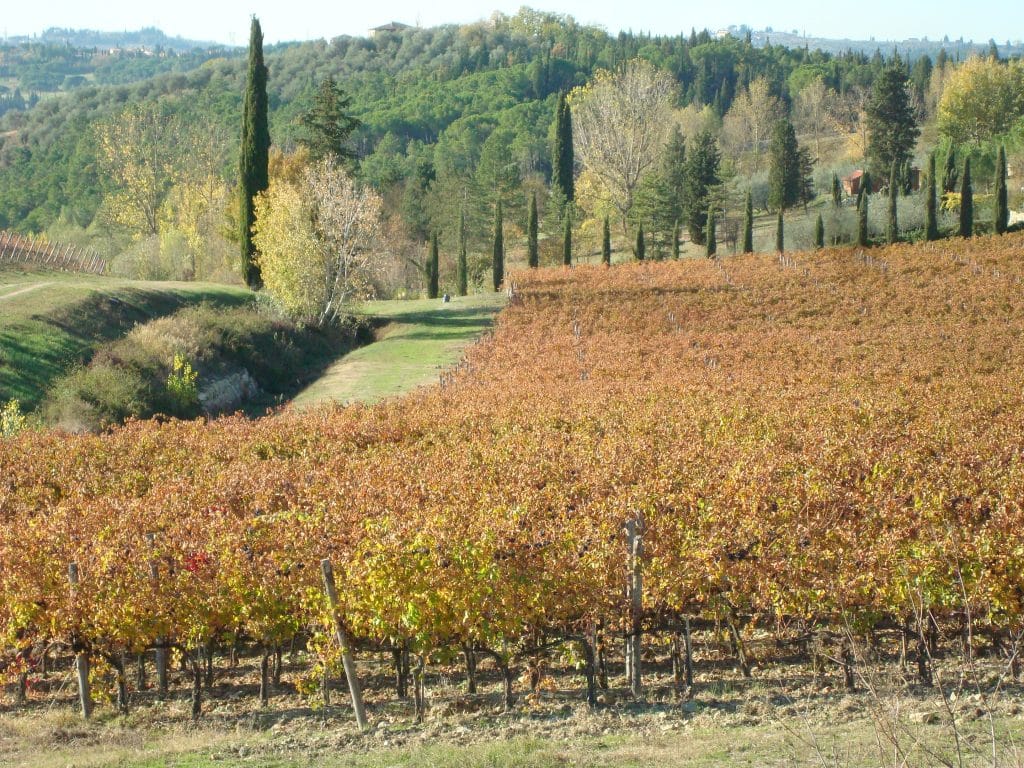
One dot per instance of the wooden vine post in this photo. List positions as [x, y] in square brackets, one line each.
[161, 647]
[81, 658]
[346, 650]
[634, 537]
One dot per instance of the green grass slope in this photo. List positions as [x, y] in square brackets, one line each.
[419, 338]
[51, 322]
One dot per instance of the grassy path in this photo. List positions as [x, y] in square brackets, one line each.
[53, 321]
[421, 337]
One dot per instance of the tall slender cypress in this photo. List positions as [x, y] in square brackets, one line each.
[432, 270]
[931, 203]
[712, 239]
[532, 249]
[498, 254]
[837, 191]
[748, 224]
[966, 202]
[1002, 211]
[862, 222]
[675, 240]
[819, 232]
[567, 241]
[780, 234]
[562, 157]
[892, 230]
[606, 242]
[462, 270]
[641, 249]
[950, 176]
[255, 152]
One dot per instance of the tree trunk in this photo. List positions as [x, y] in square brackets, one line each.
[208, 658]
[469, 653]
[737, 644]
[197, 684]
[140, 672]
[589, 669]
[265, 678]
[418, 692]
[848, 679]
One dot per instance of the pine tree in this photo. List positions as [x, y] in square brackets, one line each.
[892, 120]
[780, 234]
[562, 158]
[255, 153]
[327, 124]
[532, 249]
[950, 178]
[862, 222]
[659, 199]
[606, 242]
[640, 249]
[837, 191]
[931, 203]
[819, 232]
[432, 270]
[498, 253]
[567, 241]
[1002, 212]
[966, 202]
[712, 240]
[748, 224]
[675, 240]
[892, 232]
[462, 269]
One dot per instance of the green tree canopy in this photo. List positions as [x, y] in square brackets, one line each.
[892, 122]
[327, 125]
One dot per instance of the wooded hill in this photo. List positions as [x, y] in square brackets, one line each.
[447, 114]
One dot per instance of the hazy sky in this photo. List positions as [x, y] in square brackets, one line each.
[227, 20]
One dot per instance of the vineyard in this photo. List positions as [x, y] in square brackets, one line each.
[809, 448]
[18, 249]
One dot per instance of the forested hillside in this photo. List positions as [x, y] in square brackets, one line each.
[450, 118]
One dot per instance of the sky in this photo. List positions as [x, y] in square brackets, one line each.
[227, 21]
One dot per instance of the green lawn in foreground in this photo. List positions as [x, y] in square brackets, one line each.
[420, 338]
[53, 321]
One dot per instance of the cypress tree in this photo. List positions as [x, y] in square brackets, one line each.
[562, 158]
[640, 248]
[819, 232]
[675, 240]
[532, 250]
[498, 254]
[748, 224]
[784, 172]
[780, 235]
[931, 203]
[950, 177]
[606, 243]
[862, 222]
[892, 232]
[709, 228]
[432, 270]
[462, 271]
[567, 241]
[1002, 212]
[837, 191]
[255, 153]
[966, 202]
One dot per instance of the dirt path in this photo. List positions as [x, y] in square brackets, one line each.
[26, 289]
